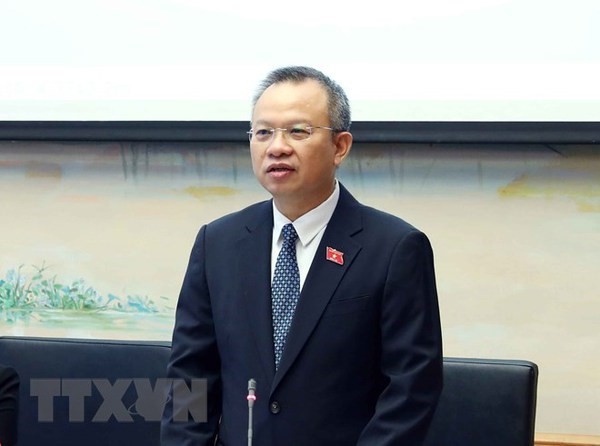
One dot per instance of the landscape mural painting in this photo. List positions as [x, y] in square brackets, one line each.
[95, 239]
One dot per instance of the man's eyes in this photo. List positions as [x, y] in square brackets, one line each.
[263, 132]
[299, 131]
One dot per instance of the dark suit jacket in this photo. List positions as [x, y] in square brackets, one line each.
[363, 360]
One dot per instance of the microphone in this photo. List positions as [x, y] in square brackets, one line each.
[251, 398]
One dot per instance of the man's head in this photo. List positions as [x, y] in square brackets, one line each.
[338, 105]
[299, 136]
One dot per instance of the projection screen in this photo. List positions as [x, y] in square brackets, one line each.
[403, 61]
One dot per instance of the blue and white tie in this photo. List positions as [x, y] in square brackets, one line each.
[285, 290]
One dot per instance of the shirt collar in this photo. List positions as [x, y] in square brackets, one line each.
[310, 224]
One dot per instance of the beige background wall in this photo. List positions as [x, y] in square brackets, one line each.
[515, 230]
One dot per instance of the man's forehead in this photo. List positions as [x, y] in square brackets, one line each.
[303, 88]
[307, 96]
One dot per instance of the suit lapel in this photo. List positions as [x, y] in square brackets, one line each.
[254, 271]
[323, 278]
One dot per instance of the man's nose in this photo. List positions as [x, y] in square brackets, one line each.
[279, 143]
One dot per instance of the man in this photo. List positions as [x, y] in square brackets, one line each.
[329, 305]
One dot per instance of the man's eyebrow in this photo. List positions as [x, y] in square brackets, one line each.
[285, 125]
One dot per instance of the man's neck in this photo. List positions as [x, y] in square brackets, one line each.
[297, 207]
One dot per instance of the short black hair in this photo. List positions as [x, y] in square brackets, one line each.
[338, 104]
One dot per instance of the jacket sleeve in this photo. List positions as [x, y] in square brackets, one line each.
[193, 408]
[411, 359]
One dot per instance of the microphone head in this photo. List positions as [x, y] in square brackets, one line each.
[251, 385]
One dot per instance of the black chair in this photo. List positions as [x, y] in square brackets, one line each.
[486, 402]
[45, 363]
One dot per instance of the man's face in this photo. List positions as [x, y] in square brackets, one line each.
[298, 174]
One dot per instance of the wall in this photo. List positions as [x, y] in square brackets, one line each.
[95, 240]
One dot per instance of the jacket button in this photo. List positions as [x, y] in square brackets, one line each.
[275, 407]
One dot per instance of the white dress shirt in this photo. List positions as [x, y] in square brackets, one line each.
[310, 229]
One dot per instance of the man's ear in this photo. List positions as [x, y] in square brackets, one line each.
[343, 143]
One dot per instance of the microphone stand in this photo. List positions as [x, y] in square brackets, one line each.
[251, 398]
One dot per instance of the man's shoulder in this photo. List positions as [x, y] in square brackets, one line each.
[376, 216]
[248, 216]
[373, 219]
[384, 226]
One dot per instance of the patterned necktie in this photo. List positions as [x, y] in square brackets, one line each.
[285, 290]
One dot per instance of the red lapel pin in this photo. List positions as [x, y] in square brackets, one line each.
[335, 256]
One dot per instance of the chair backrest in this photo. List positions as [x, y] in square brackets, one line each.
[82, 392]
[486, 402]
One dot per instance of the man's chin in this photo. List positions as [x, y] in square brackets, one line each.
[279, 188]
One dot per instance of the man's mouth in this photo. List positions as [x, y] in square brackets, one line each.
[279, 169]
